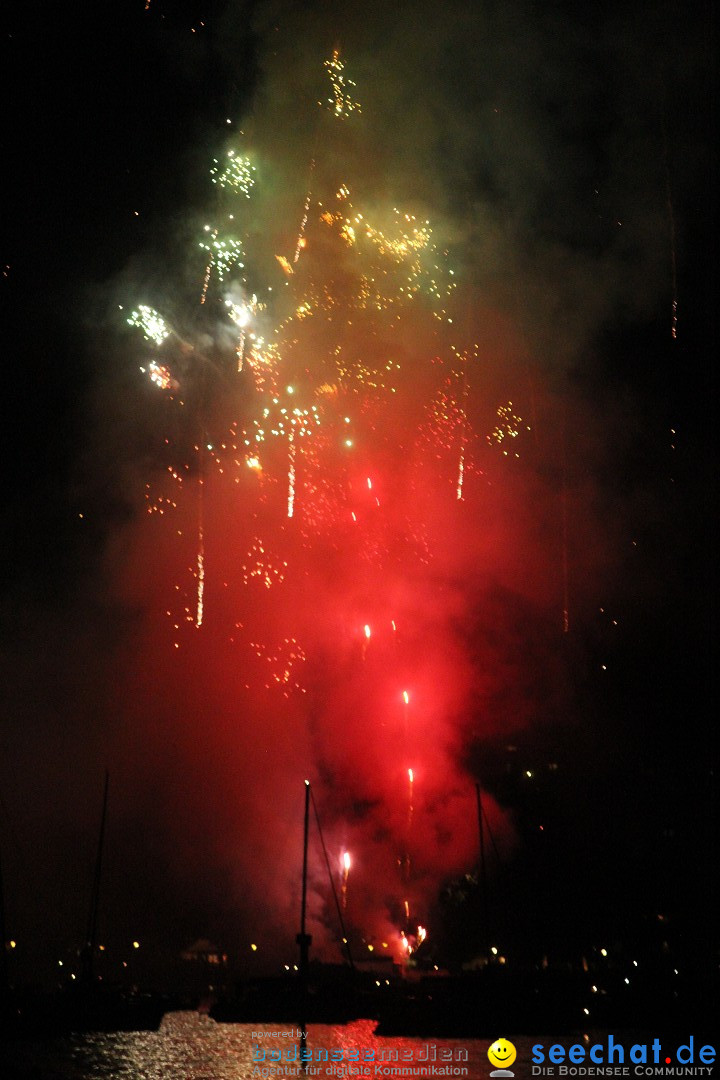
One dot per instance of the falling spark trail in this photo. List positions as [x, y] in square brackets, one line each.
[208, 271]
[367, 633]
[345, 876]
[199, 611]
[291, 475]
[306, 209]
[463, 434]
[461, 472]
[411, 785]
[405, 728]
[463, 358]
[406, 861]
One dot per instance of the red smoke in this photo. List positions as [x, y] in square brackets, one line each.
[334, 643]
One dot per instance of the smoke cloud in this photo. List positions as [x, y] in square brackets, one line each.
[527, 138]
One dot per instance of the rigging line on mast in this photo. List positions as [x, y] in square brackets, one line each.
[332, 882]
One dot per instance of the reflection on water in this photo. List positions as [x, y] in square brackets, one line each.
[193, 1047]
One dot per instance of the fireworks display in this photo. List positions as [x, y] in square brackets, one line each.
[238, 173]
[151, 323]
[358, 354]
[336, 374]
[340, 103]
[225, 254]
[340, 483]
[507, 429]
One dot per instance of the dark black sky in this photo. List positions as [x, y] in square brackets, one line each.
[110, 117]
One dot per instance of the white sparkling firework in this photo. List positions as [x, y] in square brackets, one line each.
[151, 323]
[225, 255]
[237, 173]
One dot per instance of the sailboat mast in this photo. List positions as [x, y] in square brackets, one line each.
[483, 874]
[91, 937]
[306, 829]
[304, 939]
[4, 974]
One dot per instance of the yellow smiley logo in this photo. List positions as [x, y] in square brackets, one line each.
[502, 1053]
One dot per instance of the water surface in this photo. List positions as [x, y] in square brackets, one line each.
[193, 1047]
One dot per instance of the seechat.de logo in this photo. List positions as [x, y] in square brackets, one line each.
[614, 1057]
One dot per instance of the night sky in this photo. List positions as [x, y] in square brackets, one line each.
[564, 155]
